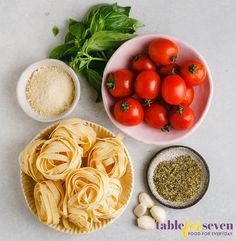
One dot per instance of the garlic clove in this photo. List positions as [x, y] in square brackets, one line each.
[146, 200]
[140, 210]
[158, 213]
[146, 222]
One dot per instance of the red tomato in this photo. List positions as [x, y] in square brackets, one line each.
[173, 89]
[128, 111]
[193, 72]
[182, 117]
[120, 83]
[142, 62]
[169, 69]
[156, 116]
[147, 84]
[163, 51]
[188, 99]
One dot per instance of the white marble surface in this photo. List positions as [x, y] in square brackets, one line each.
[25, 37]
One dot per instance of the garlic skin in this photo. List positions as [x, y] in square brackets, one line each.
[146, 200]
[140, 210]
[158, 213]
[146, 222]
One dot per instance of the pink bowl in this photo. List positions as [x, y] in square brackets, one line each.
[142, 132]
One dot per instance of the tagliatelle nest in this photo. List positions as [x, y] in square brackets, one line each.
[27, 160]
[77, 176]
[84, 135]
[108, 156]
[49, 198]
[57, 157]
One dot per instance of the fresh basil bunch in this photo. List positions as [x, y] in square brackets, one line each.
[90, 43]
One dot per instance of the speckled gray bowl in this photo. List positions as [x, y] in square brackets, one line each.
[170, 153]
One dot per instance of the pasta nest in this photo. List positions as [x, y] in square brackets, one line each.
[28, 157]
[110, 206]
[49, 196]
[84, 135]
[86, 188]
[58, 156]
[108, 156]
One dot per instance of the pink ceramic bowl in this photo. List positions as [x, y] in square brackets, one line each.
[142, 132]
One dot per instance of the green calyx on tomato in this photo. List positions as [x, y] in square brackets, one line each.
[174, 71]
[193, 68]
[110, 84]
[180, 109]
[147, 102]
[136, 57]
[173, 58]
[165, 128]
[124, 106]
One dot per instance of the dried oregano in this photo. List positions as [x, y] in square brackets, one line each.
[178, 179]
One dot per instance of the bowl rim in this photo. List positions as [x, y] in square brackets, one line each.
[22, 81]
[209, 100]
[204, 164]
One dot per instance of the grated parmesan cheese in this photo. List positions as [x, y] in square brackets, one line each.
[50, 91]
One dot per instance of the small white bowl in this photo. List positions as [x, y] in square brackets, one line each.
[25, 76]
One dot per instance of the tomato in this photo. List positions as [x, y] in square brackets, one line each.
[173, 89]
[163, 51]
[182, 117]
[142, 62]
[120, 83]
[188, 99]
[169, 69]
[193, 72]
[156, 116]
[128, 111]
[147, 84]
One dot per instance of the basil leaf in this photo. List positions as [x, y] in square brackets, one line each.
[82, 65]
[69, 38]
[76, 29]
[71, 51]
[98, 66]
[105, 10]
[72, 21]
[59, 51]
[92, 13]
[109, 53]
[129, 25]
[95, 80]
[55, 31]
[105, 40]
[97, 23]
[106, 17]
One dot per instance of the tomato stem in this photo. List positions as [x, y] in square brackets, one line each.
[136, 57]
[147, 102]
[173, 58]
[193, 68]
[110, 84]
[180, 109]
[124, 106]
[165, 128]
[174, 71]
